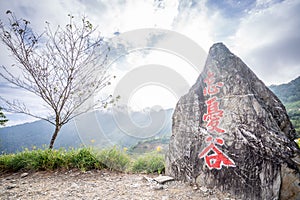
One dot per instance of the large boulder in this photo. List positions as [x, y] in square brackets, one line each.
[231, 132]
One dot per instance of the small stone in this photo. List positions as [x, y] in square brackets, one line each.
[203, 189]
[9, 187]
[163, 179]
[135, 185]
[24, 175]
[165, 198]
[74, 186]
[148, 179]
[158, 187]
[104, 174]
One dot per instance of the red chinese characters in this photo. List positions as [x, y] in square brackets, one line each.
[214, 158]
[212, 88]
[213, 115]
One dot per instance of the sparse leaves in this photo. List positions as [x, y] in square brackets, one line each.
[64, 67]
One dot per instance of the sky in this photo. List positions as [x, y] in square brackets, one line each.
[263, 33]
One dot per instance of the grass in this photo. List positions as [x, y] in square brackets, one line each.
[83, 159]
[149, 163]
[114, 159]
[48, 159]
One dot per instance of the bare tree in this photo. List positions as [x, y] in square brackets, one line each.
[64, 67]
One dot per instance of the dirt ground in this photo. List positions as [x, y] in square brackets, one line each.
[96, 184]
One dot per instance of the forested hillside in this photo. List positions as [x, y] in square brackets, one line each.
[289, 94]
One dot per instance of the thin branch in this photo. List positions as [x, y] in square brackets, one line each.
[20, 108]
[64, 71]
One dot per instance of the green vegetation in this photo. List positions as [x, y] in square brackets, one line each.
[293, 110]
[150, 145]
[3, 119]
[298, 142]
[149, 163]
[47, 159]
[83, 159]
[289, 94]
[114, 159]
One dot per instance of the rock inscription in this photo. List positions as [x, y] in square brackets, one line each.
[232, 133]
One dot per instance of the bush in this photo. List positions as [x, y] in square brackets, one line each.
[15, 162]
[114, 159]
[84, 159]
[48, 159]
[149, 163]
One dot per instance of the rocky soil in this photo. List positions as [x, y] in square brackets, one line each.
[98, 185]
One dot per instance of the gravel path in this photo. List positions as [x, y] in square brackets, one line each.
[97, 185]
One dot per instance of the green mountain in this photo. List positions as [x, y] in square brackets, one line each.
[289, 94]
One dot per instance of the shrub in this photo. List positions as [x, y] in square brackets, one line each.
[49, 159]
[15, 162]
[84, 159]
[149, 163]
[114, 159]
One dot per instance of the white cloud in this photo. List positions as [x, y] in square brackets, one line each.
[268, 41]
[38, 12]
[193, 21]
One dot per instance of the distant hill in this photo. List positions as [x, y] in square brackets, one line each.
[36, 134]
[289, 94]
[98, 128]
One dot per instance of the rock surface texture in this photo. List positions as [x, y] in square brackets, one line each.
[231, 132]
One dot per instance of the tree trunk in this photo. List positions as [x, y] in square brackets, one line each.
[57, 129]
